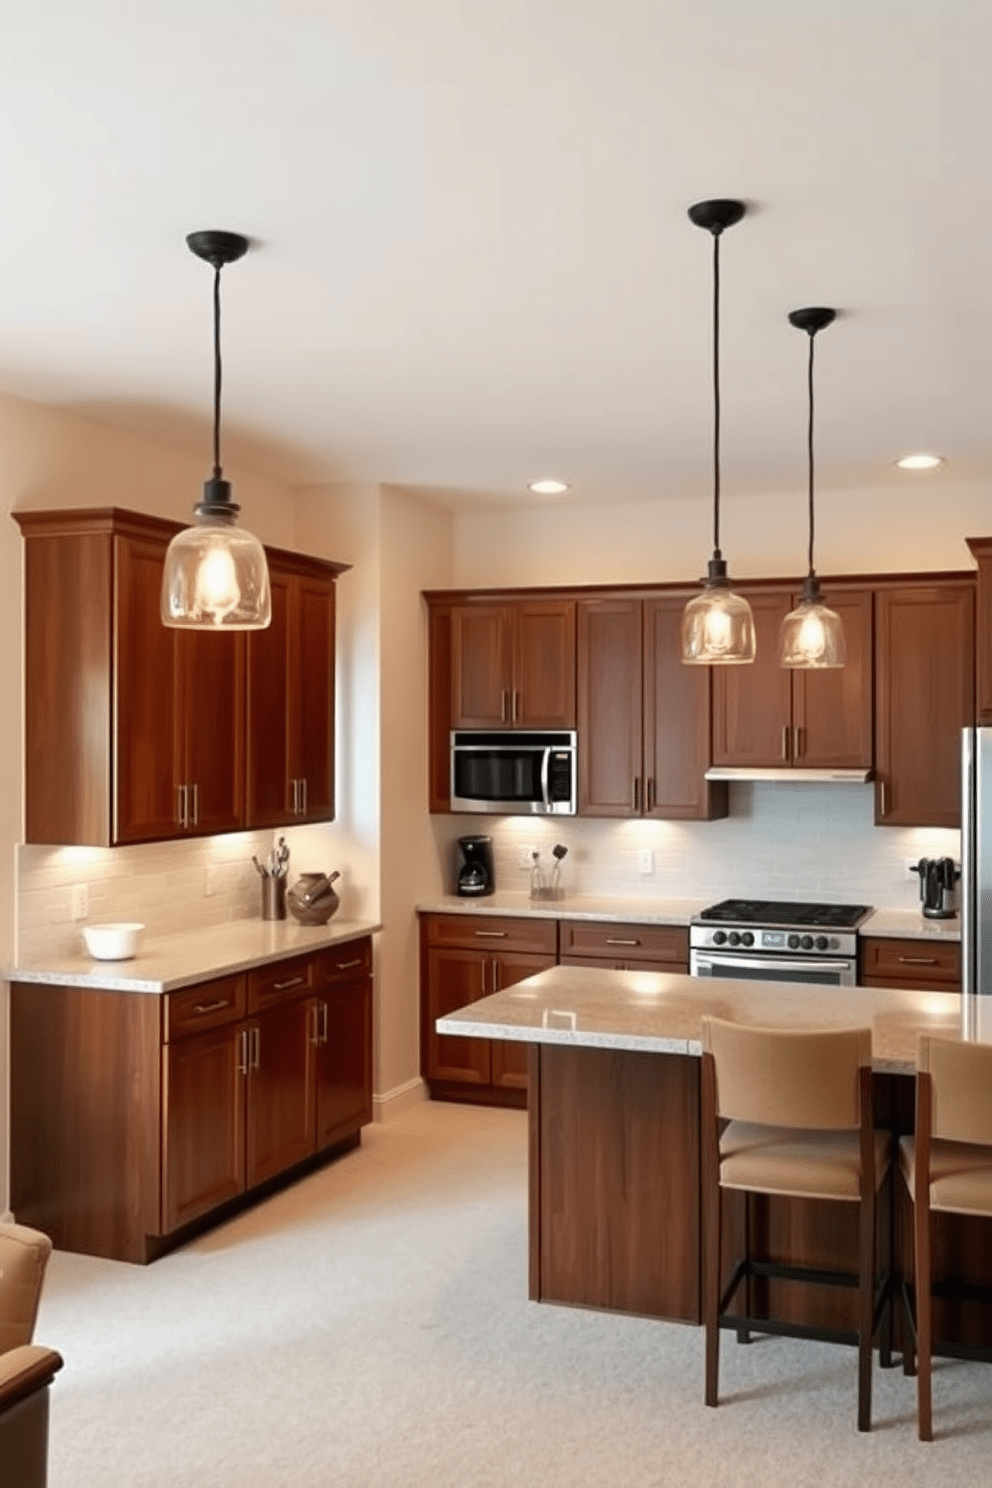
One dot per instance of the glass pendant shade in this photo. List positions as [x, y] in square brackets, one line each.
[216, 578]
[717, 629]
[812, 637]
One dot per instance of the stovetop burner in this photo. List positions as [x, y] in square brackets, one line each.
[785, 912]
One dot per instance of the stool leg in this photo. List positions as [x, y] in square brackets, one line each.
[713, 1225]
[924, 1397]
[866, 1308]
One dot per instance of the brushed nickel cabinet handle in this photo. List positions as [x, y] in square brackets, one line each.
[181, 806]
[196, 803]
[323, 1022]
[303, 789]
[243, 1059]
[919, 960]
[313, 1019]
[650, 789]
[256, 1048]
[785, 742]
[882, 803]
[495, 975]
[482, 970]
[491, 934]
[295, 787]
[515, 709]
[637, 793]
[504, 699]
[347, 965]
[293, 982]
[797, 743]
[619, 941]
[202, 1008]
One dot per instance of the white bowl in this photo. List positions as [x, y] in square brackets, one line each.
[112, 942]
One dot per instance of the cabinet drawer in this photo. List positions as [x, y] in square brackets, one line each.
[492, 932]
[281, 981]
[668, 944]
[351, 959]
[905, 961]
[203, 1006]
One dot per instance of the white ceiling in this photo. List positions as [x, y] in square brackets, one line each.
[473, 262]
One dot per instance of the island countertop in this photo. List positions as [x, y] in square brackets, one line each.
[661, 1012]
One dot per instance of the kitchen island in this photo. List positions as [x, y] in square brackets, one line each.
[614, 1163]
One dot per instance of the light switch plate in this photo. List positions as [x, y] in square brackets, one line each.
[646, 860]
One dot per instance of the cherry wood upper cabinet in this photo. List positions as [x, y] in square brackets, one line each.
[982, 549]
[513, 665]
[291, 696]
[134, 732]
[644, 717]
[768, 716]
[925, 695]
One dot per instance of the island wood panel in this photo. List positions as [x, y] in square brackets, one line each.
[84, 1117]
[614, 1180]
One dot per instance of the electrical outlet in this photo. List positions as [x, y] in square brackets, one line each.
[527, 856]
[210, 880]
[80, 901]
[645, 859]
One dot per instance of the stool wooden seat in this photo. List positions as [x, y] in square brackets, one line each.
[947, 1167]
[790, 1113]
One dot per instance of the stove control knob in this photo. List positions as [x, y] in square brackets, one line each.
[807, 942]
[793, 942]
[734, 938]
[822, 943]
[747, 938]
[719, 936]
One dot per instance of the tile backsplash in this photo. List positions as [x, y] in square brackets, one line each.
[168, 886]
[787, 841]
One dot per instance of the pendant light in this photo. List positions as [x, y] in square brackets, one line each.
[717, 626]
[216, 576]
[812, 636]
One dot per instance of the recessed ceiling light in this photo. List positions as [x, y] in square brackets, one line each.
[547, 487]
[920, 462]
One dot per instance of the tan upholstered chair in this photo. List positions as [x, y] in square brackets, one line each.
[947, 1167]
[26, 1370]
[790, 1113]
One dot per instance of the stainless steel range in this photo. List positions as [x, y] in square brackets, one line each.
[774, 940]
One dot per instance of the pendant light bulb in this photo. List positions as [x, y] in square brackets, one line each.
[812, 635]
[717, 625]
[216, 575]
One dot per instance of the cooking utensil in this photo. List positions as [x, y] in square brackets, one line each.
[263, 871]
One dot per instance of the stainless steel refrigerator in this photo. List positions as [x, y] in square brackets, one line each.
[976, 882]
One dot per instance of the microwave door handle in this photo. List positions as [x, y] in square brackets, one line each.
[545, 768]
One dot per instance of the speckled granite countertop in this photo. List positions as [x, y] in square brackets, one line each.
[166, 962]
[888, 923]
[660, 1012]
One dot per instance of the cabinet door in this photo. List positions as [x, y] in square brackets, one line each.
[454, 979]
[832, 718]
[268, 772]
[981, 547]
[509, 1057]
[676, 722]
[482, 666]
[609, 711]
[752, 704]
[281, 1100]
[149, 743]
[212, 708]
[925, 694]
[543, 665]
[344, 1060]
[203, 1102]
[311, 698]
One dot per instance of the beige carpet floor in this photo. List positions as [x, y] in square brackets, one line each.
[370, 1326]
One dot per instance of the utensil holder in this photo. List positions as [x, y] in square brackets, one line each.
[274, 897]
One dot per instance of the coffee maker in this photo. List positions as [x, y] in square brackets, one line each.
[938, 877]
[475, 874]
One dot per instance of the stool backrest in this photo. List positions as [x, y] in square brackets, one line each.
[961, 1088]
[23, 1257]
[798, 1078]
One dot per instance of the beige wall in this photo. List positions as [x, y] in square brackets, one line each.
[920, 524]
[50, 458]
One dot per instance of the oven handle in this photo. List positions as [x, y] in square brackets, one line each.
[768, 963]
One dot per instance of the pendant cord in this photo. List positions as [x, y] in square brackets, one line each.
[809, 446]
[716, 395]
[217, 374]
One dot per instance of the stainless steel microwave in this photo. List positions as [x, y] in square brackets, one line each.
[514, 772]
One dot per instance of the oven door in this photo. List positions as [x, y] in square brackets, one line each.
[748, 968]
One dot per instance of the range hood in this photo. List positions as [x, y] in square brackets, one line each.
[788, 774]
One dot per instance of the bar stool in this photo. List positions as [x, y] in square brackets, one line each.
[790, 1113]
[947, 1168]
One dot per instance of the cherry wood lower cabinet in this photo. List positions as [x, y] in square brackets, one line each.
[135, 1116]
[464, 958]
[624, 947]
[924, 965]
